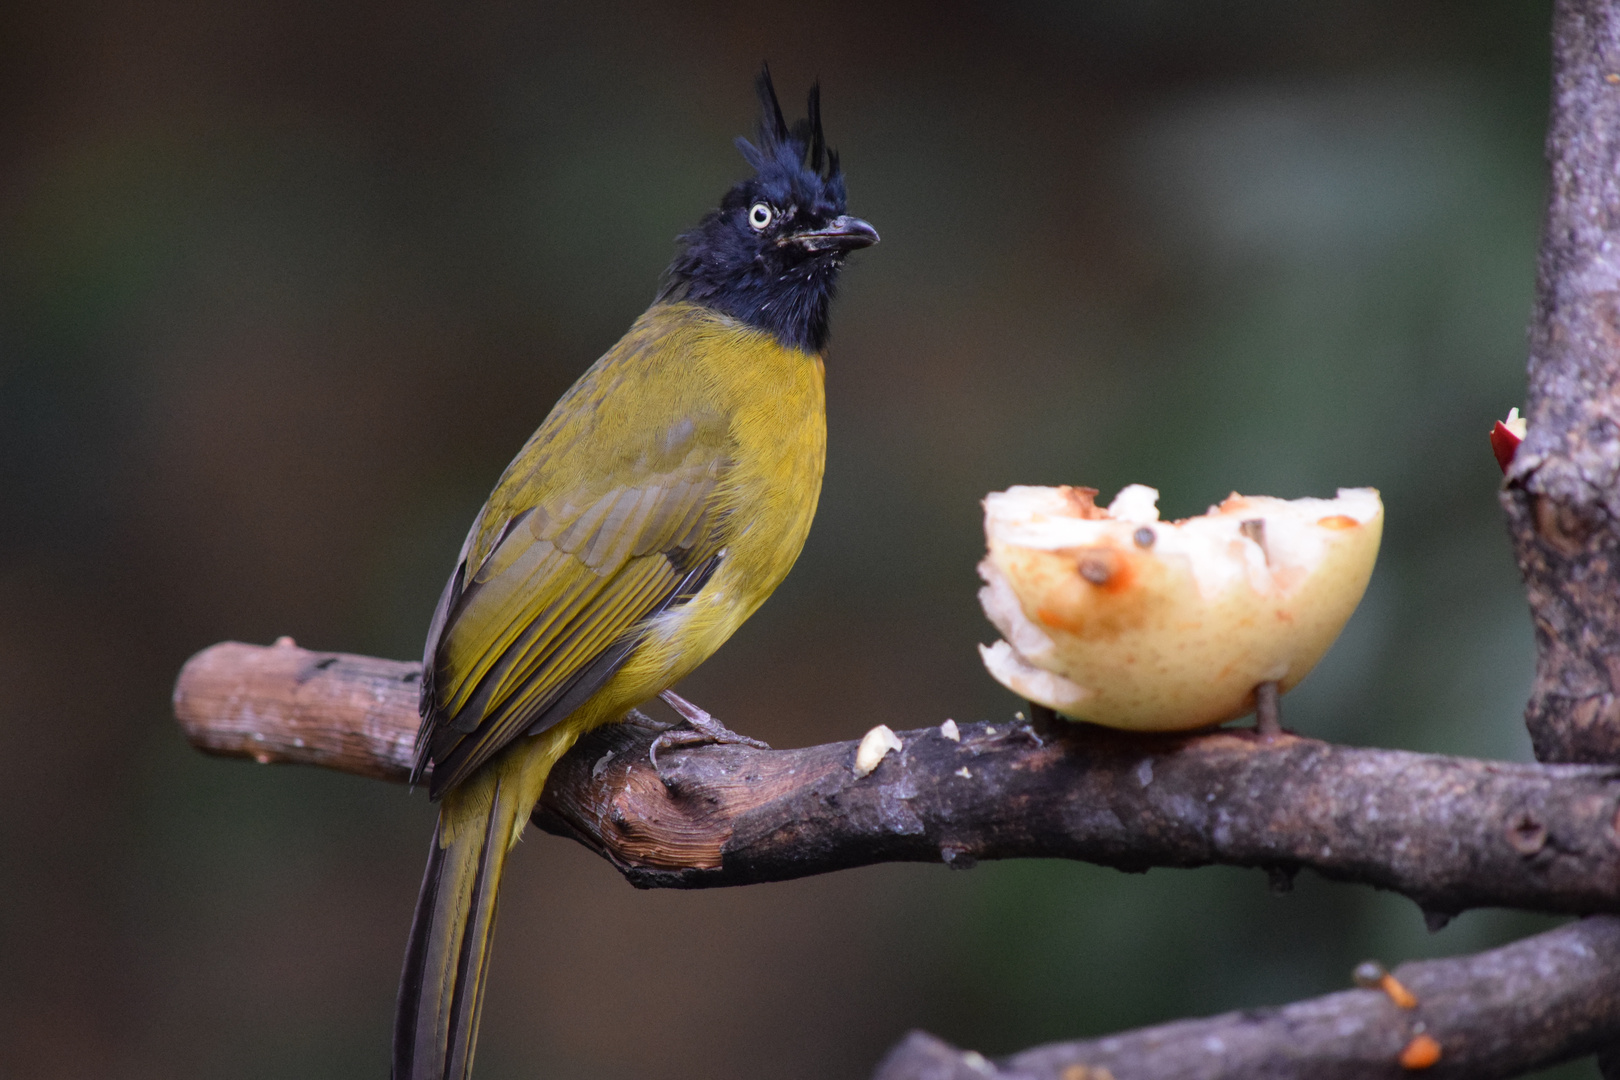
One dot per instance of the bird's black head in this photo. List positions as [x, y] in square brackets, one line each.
[771, 253]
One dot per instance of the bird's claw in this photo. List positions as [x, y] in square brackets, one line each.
[699, 729]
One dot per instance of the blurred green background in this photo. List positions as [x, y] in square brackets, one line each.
[283, 286]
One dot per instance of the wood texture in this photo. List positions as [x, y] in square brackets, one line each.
[1562, 496]
[1450, 833]
[1532, 1004]
[355, 714]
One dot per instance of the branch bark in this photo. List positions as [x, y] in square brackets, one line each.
[1562, 496]
[1450, 833]
[1532, 1004]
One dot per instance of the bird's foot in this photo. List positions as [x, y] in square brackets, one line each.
[1267, 712]
[700, 729]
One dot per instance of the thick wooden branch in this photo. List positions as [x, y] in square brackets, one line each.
[1450, 833]
[1532, 1004]
[1562, 497]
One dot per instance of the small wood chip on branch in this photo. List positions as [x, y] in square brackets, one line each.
[874, 747]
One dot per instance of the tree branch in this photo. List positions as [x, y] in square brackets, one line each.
[1450, 833]
[1529, 1005]
[1562, 498]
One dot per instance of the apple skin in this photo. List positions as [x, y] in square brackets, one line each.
[1113, 617]
[1506, 435]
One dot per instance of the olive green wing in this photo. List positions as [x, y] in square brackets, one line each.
[559, 577]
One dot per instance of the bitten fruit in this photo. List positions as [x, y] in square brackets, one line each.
[1117, 618]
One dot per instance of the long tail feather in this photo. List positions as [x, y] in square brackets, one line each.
[441, 992]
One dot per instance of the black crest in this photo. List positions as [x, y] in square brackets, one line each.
[770, 254]
[785, 152]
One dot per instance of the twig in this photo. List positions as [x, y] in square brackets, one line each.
[1267, 711]
[1534, 1003]
[1450, 833]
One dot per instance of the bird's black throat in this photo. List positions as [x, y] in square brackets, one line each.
[791, 303]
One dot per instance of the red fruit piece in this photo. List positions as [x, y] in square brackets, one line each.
[1506, 436]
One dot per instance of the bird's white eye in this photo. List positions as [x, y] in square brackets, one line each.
[759, 215]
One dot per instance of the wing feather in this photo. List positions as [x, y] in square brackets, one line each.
[563, 570]
[524, 692]
[523, 620]
[630, 596]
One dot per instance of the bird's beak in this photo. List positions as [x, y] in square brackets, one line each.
[842, 233]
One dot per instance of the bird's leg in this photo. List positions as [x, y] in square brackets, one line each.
[700, 729]
[1267, 714]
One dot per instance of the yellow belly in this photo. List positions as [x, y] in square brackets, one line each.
[776, 399]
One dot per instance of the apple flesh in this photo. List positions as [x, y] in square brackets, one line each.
[1114, 617]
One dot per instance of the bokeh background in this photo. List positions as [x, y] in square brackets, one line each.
[284, 285]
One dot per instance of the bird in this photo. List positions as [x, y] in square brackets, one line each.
[662, 500]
